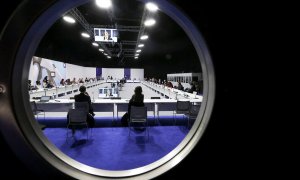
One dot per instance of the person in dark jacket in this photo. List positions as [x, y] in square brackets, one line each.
[137, 99]
[84, 97]
[180, 87]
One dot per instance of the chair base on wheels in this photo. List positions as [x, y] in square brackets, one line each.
[77, 118]
[138, 129]
[138, 118]
[72, 131]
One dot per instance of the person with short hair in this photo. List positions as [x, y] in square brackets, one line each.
[84, 97]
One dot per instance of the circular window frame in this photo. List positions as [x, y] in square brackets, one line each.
[32, 140]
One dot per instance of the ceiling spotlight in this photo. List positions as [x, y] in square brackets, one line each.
[101, 50]
[149, 22]
[144, 37]
[141, 45]
[151, 7]
[103, 3]
[108, 57]
[86, 35]
[95, 44]
[136, 57]
[105, 54]
[138, 50]
[69, 19]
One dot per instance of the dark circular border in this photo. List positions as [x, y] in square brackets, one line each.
[16, 118]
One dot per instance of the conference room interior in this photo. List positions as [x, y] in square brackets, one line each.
[228, 148]
[111, 71]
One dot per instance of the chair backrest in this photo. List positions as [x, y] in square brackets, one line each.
[33, 106]
[77, 116]
[83, 106]
[194, 110]
[138, 114]
[183, 106]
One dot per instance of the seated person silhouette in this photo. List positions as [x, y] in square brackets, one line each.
[84, 97]
[137, 99]
[180, 87]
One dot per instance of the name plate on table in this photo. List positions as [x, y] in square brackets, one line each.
[108, 92]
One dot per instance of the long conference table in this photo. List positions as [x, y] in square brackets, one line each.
[114, 106]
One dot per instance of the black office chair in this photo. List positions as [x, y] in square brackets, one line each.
[193, 113]
[138, 116]
[182, 107]
[77, 118]
[83, 106]
[35, 110]
[36, 113]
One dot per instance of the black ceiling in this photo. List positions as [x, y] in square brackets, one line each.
[168, 49]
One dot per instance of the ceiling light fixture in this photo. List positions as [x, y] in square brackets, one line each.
[151, 7]
[86, 35]
[69, 19]
[141, 45]
[104, 3]
[135, 57]
[144, 37]
[101, 50]
[95, 44]
[138, 50]
[149, 22]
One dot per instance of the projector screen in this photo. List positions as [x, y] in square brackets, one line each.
[106, 35]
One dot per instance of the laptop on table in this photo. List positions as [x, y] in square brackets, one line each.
[45, 99]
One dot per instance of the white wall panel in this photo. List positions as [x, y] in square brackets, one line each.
[137, 74]
[74, 71]
[116, 73]
[43, 67]
[89, 72]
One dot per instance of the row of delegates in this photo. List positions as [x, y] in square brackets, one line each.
[48, 83]
[195, 86]
[36, 86]
[80, 81]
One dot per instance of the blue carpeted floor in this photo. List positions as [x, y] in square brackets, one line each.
[113, 149]
[104, 121]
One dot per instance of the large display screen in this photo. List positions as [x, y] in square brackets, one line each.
[106, 35]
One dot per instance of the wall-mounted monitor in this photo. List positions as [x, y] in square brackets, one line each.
[52, 74]
[106, 35]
